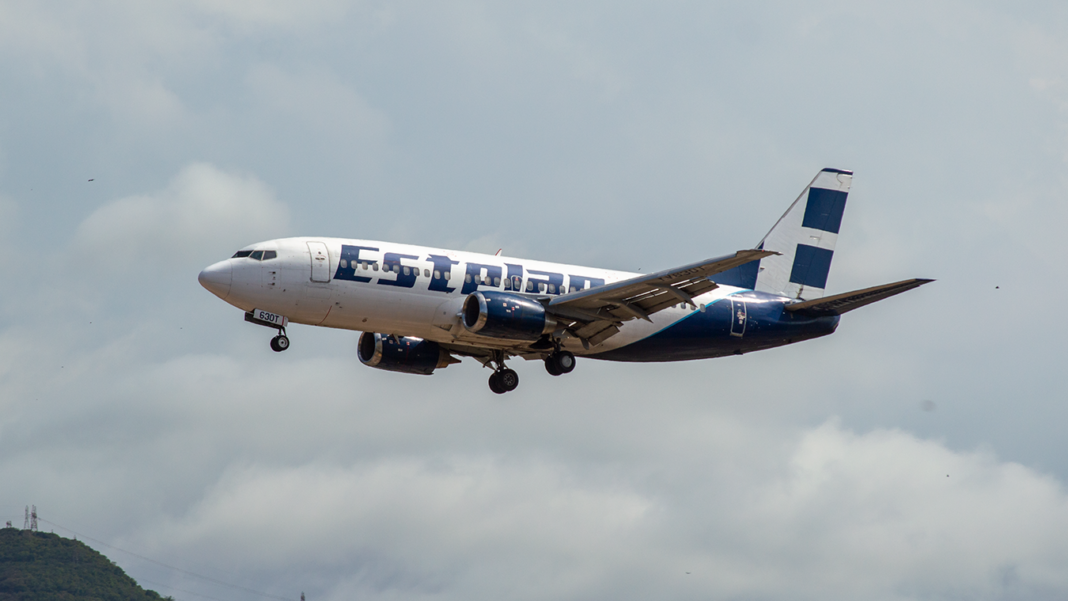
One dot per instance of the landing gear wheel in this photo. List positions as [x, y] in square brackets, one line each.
[279, 343]
[508, 379]
[565, 361]
[495, 383]
[503, 381]
[551, 367]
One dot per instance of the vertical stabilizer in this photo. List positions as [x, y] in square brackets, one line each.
[805, 237]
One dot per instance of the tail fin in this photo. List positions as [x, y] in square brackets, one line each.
[805, 237]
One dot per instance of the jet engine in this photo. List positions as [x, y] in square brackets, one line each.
[403, 354]
[505, 315]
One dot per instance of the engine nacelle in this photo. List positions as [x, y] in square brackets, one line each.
[404, 354]
[506, 315]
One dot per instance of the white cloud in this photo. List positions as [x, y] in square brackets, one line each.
[204, 214]
[833, 515]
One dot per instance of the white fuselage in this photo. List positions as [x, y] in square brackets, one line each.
[325, 282]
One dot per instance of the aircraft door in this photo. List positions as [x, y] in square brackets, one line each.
[738, 317]
[320, 262]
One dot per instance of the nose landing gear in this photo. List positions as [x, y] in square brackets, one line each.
[271, 320]
[280, 342]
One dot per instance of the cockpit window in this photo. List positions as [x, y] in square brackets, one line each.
[256, 255]
[241, 253]
[269, 254]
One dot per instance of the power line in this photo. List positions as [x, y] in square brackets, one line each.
[169, 567]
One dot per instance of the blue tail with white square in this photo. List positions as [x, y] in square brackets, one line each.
[805, 237]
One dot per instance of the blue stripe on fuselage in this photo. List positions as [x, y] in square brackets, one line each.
[707, 334]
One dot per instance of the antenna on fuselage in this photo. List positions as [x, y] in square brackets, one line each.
[498, 253]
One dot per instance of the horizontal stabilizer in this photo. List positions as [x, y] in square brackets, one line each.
[842, 303]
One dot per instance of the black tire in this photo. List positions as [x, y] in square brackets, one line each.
[565, 361]
[495, 384]
[279, 343]
[551, 367]
[508, 379]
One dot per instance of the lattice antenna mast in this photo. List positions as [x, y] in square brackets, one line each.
[33, 519]
[26, 520]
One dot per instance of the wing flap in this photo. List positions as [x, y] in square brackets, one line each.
[597, 313]
[843, 303]
[683, 283]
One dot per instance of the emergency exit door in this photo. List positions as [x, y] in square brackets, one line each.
[320, 262]
[738, 317]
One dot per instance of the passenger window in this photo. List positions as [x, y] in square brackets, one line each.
[374, 266]
[407, 271]
[541, 287]
[530, 286]
[241, 254]
[269, 254]
[437, 274]
[256, 255]
[467, 278]
[507, 284]
[552, 288]
[496, 281]
[426, 273]
[448, 275]
[345, 264]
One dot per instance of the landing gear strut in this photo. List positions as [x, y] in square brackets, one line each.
[503, 379]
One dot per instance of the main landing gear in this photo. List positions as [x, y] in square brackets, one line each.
[560, 362]
[506, 380]
[503, 379]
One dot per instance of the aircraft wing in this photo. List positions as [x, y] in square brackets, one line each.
[598, 312]
[842, 303]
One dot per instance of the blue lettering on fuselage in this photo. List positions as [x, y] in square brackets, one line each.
[554, 282]
[514, 280]
[474, 278]
[350, 261]
[391, 263]
[476, 274]
[439, 279]
[578, 282]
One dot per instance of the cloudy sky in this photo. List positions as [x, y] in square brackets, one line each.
[916, 454]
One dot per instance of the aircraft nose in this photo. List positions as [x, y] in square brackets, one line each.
[217, 278]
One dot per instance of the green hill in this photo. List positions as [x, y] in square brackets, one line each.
[37, 566]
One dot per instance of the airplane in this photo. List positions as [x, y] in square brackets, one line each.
[420, 309]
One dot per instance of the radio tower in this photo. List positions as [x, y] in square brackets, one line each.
[26, 520]
[33, 519]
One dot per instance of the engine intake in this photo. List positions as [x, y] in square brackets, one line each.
[505, 315]
[404, 354]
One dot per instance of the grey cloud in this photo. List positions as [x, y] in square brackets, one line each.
[202, 212]
[139, 409]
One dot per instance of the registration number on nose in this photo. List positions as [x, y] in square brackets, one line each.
[271, 318]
